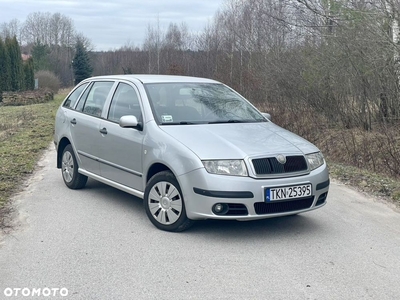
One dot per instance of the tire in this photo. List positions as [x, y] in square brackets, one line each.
[164, 204]
[69, 170]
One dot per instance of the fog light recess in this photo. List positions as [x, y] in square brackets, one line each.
[220, 208]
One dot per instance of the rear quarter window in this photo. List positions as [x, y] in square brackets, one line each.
[74, 96]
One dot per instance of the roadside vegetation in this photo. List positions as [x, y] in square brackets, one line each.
[373, 184]
[25, 131]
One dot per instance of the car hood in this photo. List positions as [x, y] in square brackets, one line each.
[238, 141]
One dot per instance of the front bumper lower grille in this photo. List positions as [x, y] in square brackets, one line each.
[265, 208]
[235, 209]
[322, 199]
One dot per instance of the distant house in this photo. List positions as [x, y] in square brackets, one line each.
[25, 57]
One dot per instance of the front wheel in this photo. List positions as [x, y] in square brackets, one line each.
[164, 204]
[69, 170]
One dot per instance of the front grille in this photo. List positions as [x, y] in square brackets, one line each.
[321, 199]
[270, 165]
[264, 208]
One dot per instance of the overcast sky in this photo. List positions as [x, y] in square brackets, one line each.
[114, 23]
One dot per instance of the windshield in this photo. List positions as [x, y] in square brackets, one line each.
[199, 103]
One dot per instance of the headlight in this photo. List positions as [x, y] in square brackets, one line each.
[226, 167]
[315, 160]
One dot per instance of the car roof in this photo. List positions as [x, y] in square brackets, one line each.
[150, 78]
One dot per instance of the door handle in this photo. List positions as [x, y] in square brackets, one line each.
[73, 121]
[103, 131]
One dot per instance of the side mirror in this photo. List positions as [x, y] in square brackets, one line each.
[267, 116]
[130, 122]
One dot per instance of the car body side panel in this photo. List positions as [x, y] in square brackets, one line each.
[121, 155]
[161, 148]
[86, 138]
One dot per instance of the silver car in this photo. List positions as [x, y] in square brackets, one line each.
[191, 148]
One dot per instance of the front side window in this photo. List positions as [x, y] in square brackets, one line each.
[74, 96]
[125, 102]
[199, 103]
[96, 98]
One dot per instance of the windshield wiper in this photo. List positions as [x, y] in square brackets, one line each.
[237, 121]
[229, 121]
[179, 123]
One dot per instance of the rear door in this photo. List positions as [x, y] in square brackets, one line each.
[85, 124]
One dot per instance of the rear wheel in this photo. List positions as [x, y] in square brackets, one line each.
[69, 170]
[164, 204]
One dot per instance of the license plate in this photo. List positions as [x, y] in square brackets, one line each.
[288, 192]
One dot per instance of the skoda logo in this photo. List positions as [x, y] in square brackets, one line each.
[281, 159]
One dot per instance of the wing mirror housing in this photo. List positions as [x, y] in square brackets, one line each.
[267, 116]
[130, 122]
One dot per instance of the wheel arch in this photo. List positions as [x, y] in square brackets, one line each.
[61, 146]
[156, 168]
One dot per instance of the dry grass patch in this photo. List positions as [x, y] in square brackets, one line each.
[25, 131]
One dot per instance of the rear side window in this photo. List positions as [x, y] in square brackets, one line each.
[74, 96]
[96, 98]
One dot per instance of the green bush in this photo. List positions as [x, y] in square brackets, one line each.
[48, 79]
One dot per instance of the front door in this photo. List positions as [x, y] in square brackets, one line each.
[121, 151]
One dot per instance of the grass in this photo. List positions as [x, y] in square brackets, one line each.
[374, 184]
[25, 131]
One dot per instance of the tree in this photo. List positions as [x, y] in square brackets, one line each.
[29, 74]
[53, 38]
[36, 28]
[152, 44]
[1, 69]
[10, 29]
[81, 63]
[5, 83]
[40, 53]
[16, 68]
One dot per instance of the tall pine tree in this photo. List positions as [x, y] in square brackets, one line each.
[16, 67]
[81, 63]
[40, 54]
[5, 68]
[2, 69]
[29, 74]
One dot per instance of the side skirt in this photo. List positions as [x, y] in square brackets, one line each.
[112, 183]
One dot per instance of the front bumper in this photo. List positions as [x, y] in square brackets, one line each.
[244, 196]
